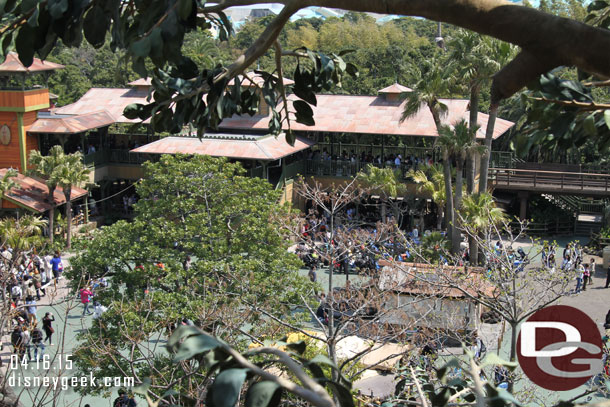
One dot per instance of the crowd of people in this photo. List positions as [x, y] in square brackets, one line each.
[27, 283]
[351, 163]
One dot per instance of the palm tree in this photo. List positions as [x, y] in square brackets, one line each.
[71, 173]
[7, 182]
[434, 81]
[502, 52]
[476, 64]
[432, 182]
[479, 211]
[447, 147]
[389, 185]
[45, 166]
[459, 141]
[23, 233]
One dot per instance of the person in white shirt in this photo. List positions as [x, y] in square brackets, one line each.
[397, 160]
[415, 233]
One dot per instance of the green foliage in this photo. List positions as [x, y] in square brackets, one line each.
[198, 207]
[250, 373]
[559, 118]
[434, 246]
[479, 212]
[385, 180]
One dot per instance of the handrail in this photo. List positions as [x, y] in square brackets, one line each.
[510, 170]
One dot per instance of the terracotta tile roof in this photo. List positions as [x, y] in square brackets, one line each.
[371, 115]
[228, 145]
[72, 124]
[12, 64]
[257, 79]
[32, 193]
[396, 88]
[112, 100]
[141, 82]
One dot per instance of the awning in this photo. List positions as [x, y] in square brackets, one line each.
[32, 193]
[240, 146]
[62, 124]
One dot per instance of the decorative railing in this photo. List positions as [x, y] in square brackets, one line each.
[551, 180]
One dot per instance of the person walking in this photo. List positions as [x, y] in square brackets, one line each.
[37, 279]
[85, 298]
[57, 265]
[586, 275]
[591, 270]
[47, 327]
[124, 400]
[26, 340]
[579, 275]
[37, 343]
[17, 342]
[31, 309]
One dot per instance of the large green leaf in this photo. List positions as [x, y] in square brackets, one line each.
[226, 387]
[263, 394]
[96, 25]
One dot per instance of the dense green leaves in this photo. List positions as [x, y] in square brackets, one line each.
[205, 209]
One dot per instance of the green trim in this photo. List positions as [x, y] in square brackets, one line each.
[22, 143]
[24, 109]
[19, 204]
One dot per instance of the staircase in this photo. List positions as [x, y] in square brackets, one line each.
[588, 213]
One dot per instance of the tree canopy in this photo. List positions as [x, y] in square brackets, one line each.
[204, 246]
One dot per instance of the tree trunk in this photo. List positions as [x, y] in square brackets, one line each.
[51, 199]
[471, 159]
[68, 193]
[383, 212]
[459, 183]
[449, 213]
[459, 186]
[439, 216]
[473, 249]
[483, 177]
[513, 349]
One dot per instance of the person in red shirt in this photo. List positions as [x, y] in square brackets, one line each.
[85, 298]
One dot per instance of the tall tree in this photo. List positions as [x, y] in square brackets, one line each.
[204, 246]
[475, 62]
[46, 166]
[501, 53]
[479, 211]
[434, 82]
[72, 172]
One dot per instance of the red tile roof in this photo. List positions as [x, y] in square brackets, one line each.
[72, 124]
[396, 88]
[333, 113]
[371, 115]
[32, 193]
[112, 100]
[12, 64]
[228, 145]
